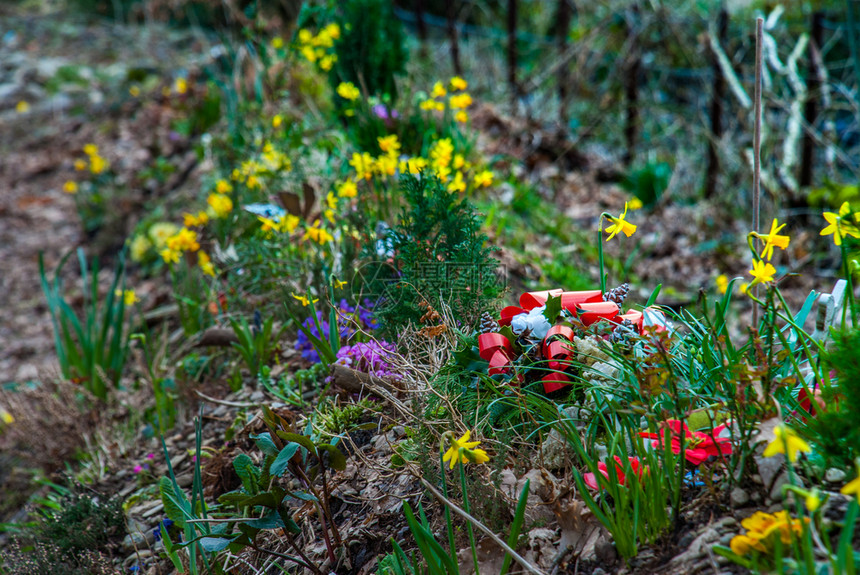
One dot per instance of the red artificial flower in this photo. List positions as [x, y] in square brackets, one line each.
[591, 479]
[699, 446]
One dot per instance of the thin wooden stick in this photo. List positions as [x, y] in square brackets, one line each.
[517, 557]
[756, 191]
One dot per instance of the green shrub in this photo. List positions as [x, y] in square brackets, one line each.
[440, 256]
[67, 539]
[834, 428]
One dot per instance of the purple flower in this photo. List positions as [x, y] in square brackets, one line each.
[371, 357]
[381, 111]
[346, 329]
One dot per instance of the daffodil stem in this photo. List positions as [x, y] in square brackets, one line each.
[469, 511]
[451, 546]
[850, 291]
[600, 263]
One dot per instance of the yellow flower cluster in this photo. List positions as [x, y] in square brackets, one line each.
[442, 161]
[762, 529]
[96, 165]
[317, 234]
[184, 240]
[220, 204]
[285, 225]
[456, 102]
[462, 450]
[763, 271]
[348, 91]
[317, 49]
[128, 296]
[252, 171]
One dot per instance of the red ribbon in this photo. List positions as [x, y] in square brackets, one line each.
[530, 300]
[496, 349]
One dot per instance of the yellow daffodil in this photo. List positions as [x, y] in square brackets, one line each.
[194, 220]
[457, 83]
[348, 91]
[483, 179]
[134, 91]
[269, 225]
[744, 544]
[331, 200]
[457, 184]
[170, 256]
[128, 296]
[461, 117]
[722, 282]
[762, 272]
[98, 164]
[773, 239]
[180, 86]
[184, 240]
[160, 231]
[80, 165]
[386, 165]
[223, 187]
[840, 226]
[22, 107]
[743, 288]
[619, 224]
[289, 223]
[389, 145]
[91, 150]
[327, 62]
[6, 417]
[463, 451]
[635, 204]
[460, 101]
[363, 165]
[441, 153]
[304, 300]
[339, 283]
[813, 500]
[317, 234]
[277, 42]
[438, 90]
[347, 189]
[139, 247]
[853, 486]
[70, 187]
[429, 105]
[277, 120]
[221, 205]
[788, 442]
[413, 165]
[205, 263]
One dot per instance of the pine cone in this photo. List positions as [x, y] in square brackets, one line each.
[623, 331]
[617, 295]
[488, 324]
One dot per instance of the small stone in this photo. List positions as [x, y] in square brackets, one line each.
[133, 541]
[605, 551]
[728, 522]
[726, 539]
[834, 475]
[739, 497]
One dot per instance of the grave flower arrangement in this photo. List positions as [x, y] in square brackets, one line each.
[540, 339]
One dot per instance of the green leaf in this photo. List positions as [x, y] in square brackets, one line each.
[214, 544]
[300, 439]
[553, 308]
[337, 460]
[265, 443]
[171, 508]
[247, 472]
[279, 465]
[514, 535]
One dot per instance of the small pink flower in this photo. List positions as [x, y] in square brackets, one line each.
[137, 468]
[150, 456]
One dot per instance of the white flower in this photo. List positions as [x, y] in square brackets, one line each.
[534, 321]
